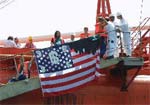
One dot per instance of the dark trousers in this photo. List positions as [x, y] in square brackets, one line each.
[103, 44]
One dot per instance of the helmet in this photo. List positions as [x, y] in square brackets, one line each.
[119, 14]
[30, 38]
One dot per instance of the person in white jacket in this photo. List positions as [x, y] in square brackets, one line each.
[10, 42]
[111, 40]
[114, 24]
[123, 24]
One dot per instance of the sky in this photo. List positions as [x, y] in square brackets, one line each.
[23, 18]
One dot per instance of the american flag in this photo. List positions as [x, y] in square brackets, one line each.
[62, 71]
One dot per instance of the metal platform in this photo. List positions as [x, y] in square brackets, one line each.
[18, 88]
[127, 61]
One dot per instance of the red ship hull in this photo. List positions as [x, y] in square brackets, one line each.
[103, 91]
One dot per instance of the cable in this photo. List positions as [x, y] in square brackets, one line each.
[141, 12]
[140, 22]
[5, 3]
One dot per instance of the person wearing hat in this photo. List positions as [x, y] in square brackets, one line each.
[110, 30]
[112, 21]
[29, 43]
[123, 24]
[112, 18]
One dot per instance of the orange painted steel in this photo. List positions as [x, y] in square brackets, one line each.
[103, 10]
[104, 91]
[65, 36]
[7, 65]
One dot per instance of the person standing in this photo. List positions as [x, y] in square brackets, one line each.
[111, 42]
[114, 24]
[112, 19]
[29, 43]
[57, 40]
[123, 24]
[17, 42]
[72, 38]
[86, 34]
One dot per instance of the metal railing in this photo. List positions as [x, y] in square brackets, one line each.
[138, 36]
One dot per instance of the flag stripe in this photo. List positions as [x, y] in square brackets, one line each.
[82, 58]
[68, 74]
[68, 78]
[75, 56]
[67, 71]
[59, 81]
[47, 94]
[84, 61]
[81, 61]
[69, 86]
[66, 82]
[98, 61]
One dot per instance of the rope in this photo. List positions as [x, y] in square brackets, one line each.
[140, 22]
[5, 3]
[141, 12]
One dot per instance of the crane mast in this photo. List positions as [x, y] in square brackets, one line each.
[103, 10]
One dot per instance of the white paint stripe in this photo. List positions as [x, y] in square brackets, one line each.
[70, 86]
[72, 77]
